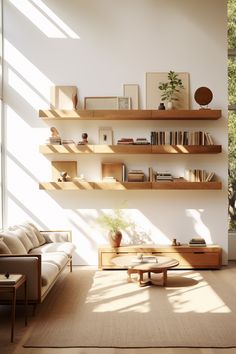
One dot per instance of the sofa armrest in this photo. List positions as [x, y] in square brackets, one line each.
[29, 265]
[57, 235]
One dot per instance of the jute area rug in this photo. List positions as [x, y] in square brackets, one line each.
[89, 308]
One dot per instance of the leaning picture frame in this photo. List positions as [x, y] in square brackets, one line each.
[132, 91]
[106, 102]
[106, 136]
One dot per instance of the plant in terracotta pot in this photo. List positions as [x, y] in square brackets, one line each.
[114, 222]
[170, 88]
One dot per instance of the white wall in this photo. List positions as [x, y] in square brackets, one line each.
[98, 46]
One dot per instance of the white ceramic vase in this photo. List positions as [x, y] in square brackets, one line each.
[169, 105]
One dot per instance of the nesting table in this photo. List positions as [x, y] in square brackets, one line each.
[146, 264]
[10, 285]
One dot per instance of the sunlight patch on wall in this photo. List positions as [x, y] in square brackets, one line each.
[26, 75]
[53, 17]
[34, 15]
[198, 224]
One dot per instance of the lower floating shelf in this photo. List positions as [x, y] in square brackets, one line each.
[175, 185]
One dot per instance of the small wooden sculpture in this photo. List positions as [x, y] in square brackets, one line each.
[84, 139]
[54, 132]
[63, 177]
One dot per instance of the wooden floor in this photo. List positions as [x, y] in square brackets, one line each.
[21, 333]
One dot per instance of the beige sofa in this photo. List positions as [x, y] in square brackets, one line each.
[40, 255]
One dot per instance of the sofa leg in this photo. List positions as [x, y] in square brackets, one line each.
[71, 265]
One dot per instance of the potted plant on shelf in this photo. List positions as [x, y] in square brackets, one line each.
[114, 223]
[170, 88]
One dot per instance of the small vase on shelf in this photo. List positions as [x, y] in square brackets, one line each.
[161, 106]
[169, 105]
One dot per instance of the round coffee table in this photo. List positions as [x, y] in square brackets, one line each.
[146, 264]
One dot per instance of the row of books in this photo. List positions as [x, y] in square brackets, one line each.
[181, 138]
[199, 176]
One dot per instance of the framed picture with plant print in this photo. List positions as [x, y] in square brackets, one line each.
[105, 136]
[123, 102]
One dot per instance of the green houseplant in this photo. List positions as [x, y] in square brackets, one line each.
[170, 88]
[114, 223]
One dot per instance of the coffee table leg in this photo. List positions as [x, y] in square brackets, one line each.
[140, 278]
[26, 304]
[13, 314]
[165, 277]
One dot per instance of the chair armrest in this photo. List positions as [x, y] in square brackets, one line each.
[29, 265]
[57, 235]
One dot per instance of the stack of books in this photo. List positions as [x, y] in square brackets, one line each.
[197, 242]
[54, 140]
[135, 176]
[125, 141]
[164, 176]
[67, 141]
[141, 141]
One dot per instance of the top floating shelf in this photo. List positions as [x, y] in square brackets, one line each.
[139, 114]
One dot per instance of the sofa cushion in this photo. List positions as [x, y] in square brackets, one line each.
[39, 235]
[13, 243]
[66, 247]
[21, 235]
[3, 248]
[58, 258]
[49, 272]
[30, 232]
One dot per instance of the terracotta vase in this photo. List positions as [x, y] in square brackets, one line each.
[115, 238]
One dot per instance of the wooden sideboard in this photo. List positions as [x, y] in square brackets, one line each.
[209, 257]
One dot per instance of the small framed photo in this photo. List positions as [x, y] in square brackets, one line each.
[123, 102]
[105, 136]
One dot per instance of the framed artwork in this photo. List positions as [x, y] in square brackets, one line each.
[105, 136]
[123, 102]
[109, 102]
[62, 97]
[153, 94]
[132, 91]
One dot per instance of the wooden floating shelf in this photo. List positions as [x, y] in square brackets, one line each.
[178, 184]
[139, 114]
[129, 149]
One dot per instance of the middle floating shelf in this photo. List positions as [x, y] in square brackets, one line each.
[129, 149]
[177, 184]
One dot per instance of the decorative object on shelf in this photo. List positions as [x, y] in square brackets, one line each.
[153, 93]
[84, 139]
[106, 136]
[203, 96]
[64, 176]
[62, 97]
[59, 166]
[132, 91]
[123, 102]
[171, 88]
[55, 137]
[75, 100]
[161, 106]
[114, 223]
